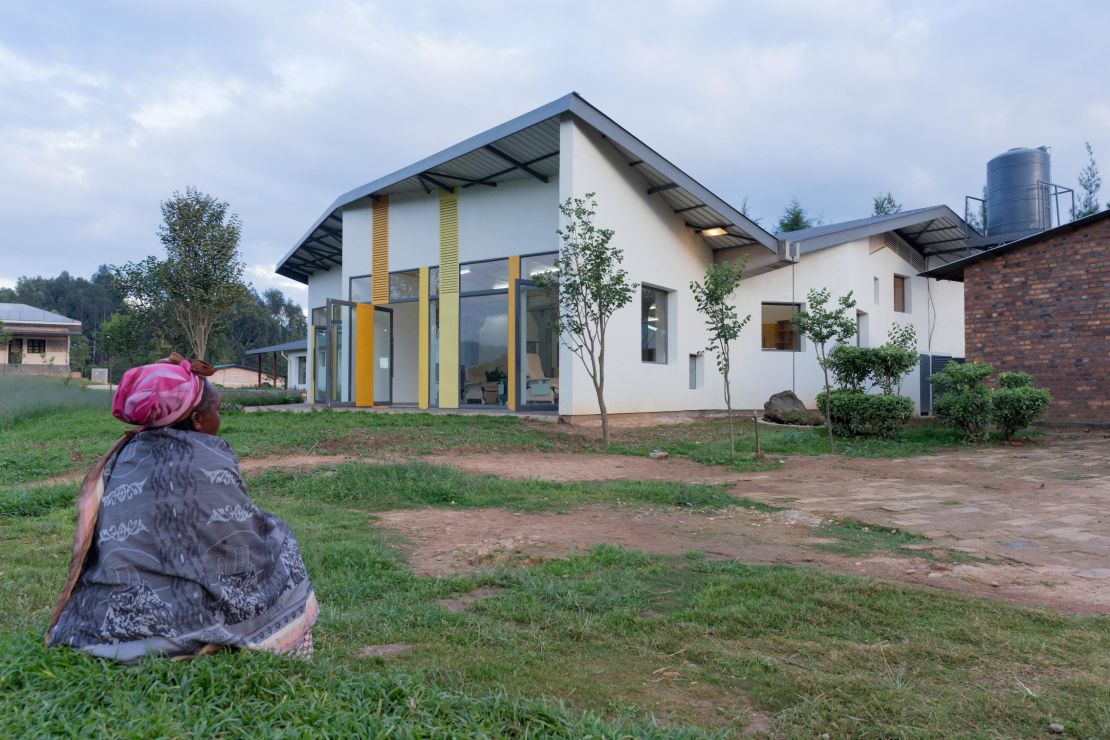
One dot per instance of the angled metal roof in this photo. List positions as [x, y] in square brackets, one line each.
[955, 270]
[935, 231]
[528, 147]
[297, 345]
[21, 313]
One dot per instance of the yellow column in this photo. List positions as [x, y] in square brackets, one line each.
[423, 375]
[379, 252]
[364, 354]
[448, 300]
[514, 350]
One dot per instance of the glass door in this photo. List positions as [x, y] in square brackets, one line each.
[339, 355]
[383, 356]
[538, 347]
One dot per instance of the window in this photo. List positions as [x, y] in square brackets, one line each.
[875, 285]
[479, 277]
[901, 299]
[36, 346]
[360, 289]
[778, 331]
[537, 264]
[15, 352]
[433, 281]
[404, 286]
[302, 371]
[693, 372]
[319, 316]
[653, 325]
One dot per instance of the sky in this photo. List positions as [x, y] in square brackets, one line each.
[278, 107]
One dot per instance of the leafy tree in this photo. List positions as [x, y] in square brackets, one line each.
[822, 325]
[201, 279]
[746, 210]
[589, 285]
[713, 297]
[79, 354]
[1016, 404]
[5, 336]
[126, 341]
[794, 217]
[884, 205]
[258, 320]
[1089, 182]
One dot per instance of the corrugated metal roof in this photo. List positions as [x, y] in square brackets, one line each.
[525, 147]
[23, 314]
[936, 232]
[297, 345]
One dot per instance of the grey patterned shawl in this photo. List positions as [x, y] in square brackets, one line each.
[181, 559]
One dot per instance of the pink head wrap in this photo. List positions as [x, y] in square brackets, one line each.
[160, 394]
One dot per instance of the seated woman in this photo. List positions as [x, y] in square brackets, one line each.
[170, 556]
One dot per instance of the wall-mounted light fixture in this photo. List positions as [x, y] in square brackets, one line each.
[715, 231]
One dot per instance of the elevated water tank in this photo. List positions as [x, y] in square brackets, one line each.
[1017, 192]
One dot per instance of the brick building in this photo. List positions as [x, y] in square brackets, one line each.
[1041, 305]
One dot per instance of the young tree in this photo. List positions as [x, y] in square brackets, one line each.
[884, 205]
[822, 326]
[1089, 183]
[125, 341]
[794, 217]
[713, 297]
[588, 285]
[190, 291]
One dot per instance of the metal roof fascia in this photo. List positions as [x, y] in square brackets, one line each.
[834, 238]
[583, 110]
[550, 110]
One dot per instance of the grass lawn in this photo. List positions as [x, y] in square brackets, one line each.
[613, 642]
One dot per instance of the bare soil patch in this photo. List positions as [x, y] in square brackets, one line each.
[462, 601]
[440, 542]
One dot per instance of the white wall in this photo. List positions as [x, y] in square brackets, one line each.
[323, 284]
[413, 231]
[658, 250]
[406, 325]
[358, 220]
[516, 217]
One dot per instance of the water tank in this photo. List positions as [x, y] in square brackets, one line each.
[1017, 192]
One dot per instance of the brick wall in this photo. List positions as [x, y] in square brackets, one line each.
[1045, 309]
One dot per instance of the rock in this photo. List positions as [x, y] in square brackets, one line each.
[658, 455]
[786, 408]
[1056, 728]
[994, 584]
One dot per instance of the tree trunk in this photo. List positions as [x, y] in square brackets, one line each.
[828, 404]
[728, 405]
[599, 386]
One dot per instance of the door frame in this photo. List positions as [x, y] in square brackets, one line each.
[329, 371]
[392, 334]
[521, 349]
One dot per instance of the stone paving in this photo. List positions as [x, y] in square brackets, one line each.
[1044, 504]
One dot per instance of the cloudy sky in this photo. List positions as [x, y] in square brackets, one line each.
[106, 108]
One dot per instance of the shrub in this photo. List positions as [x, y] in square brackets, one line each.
[851, 366]
[963, 402]
[855, 413]
[858, 368]
[1017, 404]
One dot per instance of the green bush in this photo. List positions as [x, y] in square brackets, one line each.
[963, 402]
[855, 413]
[1017, 404]
[858, 368]
[851, 366]
[232, 397]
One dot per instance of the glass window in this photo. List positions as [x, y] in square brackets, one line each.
[536, 265]
[302, 371]
[481, 276]
[653, 324]
[540, 352]
[900, 302]
[778, 330]
[404, 286]
[15, 352]
[319, 316]
[36, 346]
[693, 372]
[483, 349]
[360, 289]
[433, 281]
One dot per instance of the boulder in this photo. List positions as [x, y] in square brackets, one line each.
[786, 408]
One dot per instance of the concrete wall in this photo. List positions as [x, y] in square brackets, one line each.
[357, 222]
[516, 217]
[56, 355]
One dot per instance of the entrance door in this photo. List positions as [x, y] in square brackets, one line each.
[383, 356]
[537, 347]
[339, 354]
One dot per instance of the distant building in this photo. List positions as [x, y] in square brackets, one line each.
[1041, 305]
[38, 340]
[242, 376]
[296, 355]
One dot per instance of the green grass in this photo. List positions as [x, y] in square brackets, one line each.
[648, 643]
[386, 487]
[28, 396]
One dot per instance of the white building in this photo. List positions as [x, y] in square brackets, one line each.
[420, 292]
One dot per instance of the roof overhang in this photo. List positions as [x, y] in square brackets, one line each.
[298, 345]
[523, 148]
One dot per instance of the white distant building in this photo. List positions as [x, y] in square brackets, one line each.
[420, 283]
[37, 340]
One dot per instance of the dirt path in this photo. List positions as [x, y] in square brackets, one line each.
[438, 542]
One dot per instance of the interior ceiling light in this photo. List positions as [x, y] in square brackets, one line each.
[715, 231]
